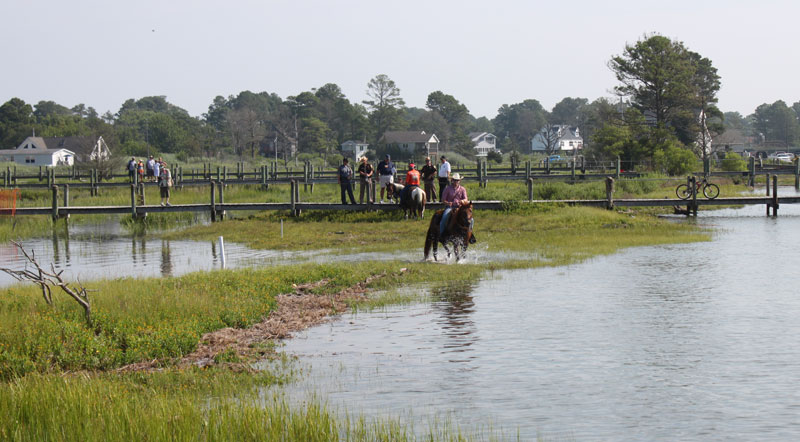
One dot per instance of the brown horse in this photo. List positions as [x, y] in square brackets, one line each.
[458, 232]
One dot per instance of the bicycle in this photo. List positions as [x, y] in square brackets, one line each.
[710, 190]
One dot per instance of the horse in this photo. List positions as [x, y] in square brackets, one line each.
[414, 202]
[458, 232]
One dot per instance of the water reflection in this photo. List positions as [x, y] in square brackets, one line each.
[454, 302]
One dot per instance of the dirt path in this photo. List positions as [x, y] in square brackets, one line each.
[296, 311]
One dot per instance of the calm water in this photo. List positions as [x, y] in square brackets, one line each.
[679, 342]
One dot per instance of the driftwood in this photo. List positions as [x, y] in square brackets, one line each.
[48, 279]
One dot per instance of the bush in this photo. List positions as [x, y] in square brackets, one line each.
[494, 156]
[675, 160]
[733, 162]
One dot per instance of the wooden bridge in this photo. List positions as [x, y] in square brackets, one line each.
[217, 208]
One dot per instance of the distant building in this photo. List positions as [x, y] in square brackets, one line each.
[57, 151]
[566, 139]
[483, 143]
[354, 149]
[412, 141]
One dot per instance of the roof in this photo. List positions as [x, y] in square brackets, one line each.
[731, 136]
[410, 136]
[356, 142]
[32, 151]
[79, 145]
[475, 135]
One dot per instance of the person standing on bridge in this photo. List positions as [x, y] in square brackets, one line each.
[365, 180]
[132, 168]
[444, 176]
[386, 173]
[345, 178]
[165, 185]
[428, 172]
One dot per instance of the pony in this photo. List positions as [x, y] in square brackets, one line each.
[414, 202]
[458, 232]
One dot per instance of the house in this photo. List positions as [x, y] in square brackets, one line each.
[412, 141]
[563, 138]
[56, 151]
[354, 149]
[483, 143]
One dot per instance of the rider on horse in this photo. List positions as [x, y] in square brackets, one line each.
[454, 196]
[412, 182]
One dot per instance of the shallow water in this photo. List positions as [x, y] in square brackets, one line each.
[676, 342]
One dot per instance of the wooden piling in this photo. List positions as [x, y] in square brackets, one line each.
[292, 201]
[66, 199]
[694, 195]
[751, 171]
[767, 184]
[609, 193]
[221, 213]
[797, 174]
[213, 203]
[54, 190]
[133, 200]
[529, 181]
[775, 195]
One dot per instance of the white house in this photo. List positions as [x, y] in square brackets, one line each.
[57, 151]
[483, 143]
[354, 149]
[412, 141]
[564, 138]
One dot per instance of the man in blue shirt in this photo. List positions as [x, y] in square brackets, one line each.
[386, 171]
[345, 176]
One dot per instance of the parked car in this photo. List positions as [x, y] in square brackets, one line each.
[554, 158]
[783, 157]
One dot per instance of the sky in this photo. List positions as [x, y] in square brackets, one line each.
[485, 54]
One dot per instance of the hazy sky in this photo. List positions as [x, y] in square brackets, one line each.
[483, 53]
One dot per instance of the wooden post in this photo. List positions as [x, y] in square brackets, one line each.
[264, 177]
[530, 189]
[213, 203]
[751, 168]
[797, 174]
[297, 198]
[527, 169]
[767, 184]
[694, 195]
[142, 201]
[54, 189]
[609, 193]
[292, 201]
[547, 166]
[311, 177]
[574, 160]
[221, 213]
[66, 199]
[41, 177]
[133, 200]
[619, 167]
[775, 195]
[224, 173]
[15, 176]
[305, 176]
[583, 165]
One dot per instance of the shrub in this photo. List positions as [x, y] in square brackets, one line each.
[675, 160]
[733, 162]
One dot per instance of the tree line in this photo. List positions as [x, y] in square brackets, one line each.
[664, 111]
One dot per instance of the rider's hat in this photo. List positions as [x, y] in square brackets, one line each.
[456, 177]
[411, 165]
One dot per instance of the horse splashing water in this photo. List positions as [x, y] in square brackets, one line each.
[457, 233]
[413, 203]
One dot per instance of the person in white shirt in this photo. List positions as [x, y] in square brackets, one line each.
[444, 176]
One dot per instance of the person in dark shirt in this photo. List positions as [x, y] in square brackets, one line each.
[345, 177]
[428, 172]
[365, 180]
[386, 171]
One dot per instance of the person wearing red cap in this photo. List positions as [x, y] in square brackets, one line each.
[412, 181]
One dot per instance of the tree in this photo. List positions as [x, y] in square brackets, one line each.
[667, 82]
[517, 124]
[548, 136]
[568, 111]
[384, 104]
[16, 122]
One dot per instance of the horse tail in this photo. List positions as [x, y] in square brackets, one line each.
[432, 236]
